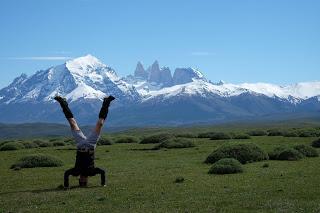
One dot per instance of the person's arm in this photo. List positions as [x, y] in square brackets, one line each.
[102, 175]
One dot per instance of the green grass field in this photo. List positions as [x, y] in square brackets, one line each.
[142, 180]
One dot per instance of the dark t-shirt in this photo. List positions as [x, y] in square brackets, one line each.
[84, 162]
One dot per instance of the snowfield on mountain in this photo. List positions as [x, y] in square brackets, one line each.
[149, 93]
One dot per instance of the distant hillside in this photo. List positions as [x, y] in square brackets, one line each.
[31, 130]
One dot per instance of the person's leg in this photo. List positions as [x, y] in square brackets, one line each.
[67, 173]
[102, 173]
[67, 112]
[103, 113]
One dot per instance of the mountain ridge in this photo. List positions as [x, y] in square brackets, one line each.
[161, 98]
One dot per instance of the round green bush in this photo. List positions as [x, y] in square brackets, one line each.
[104, 141]
[59, 143]
[241, 136]
[11, 146]
[186, 135]
[174, 143]
[257, 133]
[309, 132]
[29, 144]
[127, 139]
[158, 138]
[226, 166]
[307, 151]
[275, 132]
[220, 136]
[242, 152]
[37, 160]
[290, 154]
[290, 134]
[206, 134]
[179, 179]
[43, 143]
[274, 154]
[316, 143]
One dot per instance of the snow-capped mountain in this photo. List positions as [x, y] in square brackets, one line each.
[151, 96]
[82, 78]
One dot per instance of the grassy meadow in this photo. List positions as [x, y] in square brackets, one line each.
[143, 179]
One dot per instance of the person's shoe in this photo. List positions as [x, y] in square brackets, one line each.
[61, 100]
[105, 107]
[107, 100]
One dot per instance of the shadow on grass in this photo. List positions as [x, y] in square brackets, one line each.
[56, 189]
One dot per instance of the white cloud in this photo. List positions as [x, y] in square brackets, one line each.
[41, 58]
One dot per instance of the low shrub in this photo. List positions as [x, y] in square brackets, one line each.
[290, 154]
[265, 165]
[220, 136]
[290, 134]
[257, 133]
[316, 143]
[29, 144]
[274, 154]
[103, 141]
[69, 140]
[179, 179]
[308, 133]
[241, 136]
[43, 143]
[242, 152]
[307, 151]
[206, 134]
[11, 146]
[173, 143]
[158, 138]
[59, 143]
[226, 166]
[37, 160]
[186, 135]
[127, 139]
[275, 132]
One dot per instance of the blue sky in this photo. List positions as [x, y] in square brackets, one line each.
[276, 41]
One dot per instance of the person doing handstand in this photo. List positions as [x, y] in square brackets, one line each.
[84, 165]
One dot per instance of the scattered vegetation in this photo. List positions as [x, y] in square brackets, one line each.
[275, 132]
[265, 165]
[158, 138]
[241, 136]
[206, 134]
[37, 160]
[220, 136]
[29, 144]
[43, 143]
[242, 152]
[306, 150]
[104, 141]
[186, 135]
[226, 166]
[316, 143]
[10, 146]
[59, 143]
[179, 179]
[173, 143]
[257, 133]
[290, 154]
[274, 155]
[127, 139]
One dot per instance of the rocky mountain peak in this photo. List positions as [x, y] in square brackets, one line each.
[140, 72]
[186, 75]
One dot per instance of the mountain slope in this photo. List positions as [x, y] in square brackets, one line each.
[151, 97]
